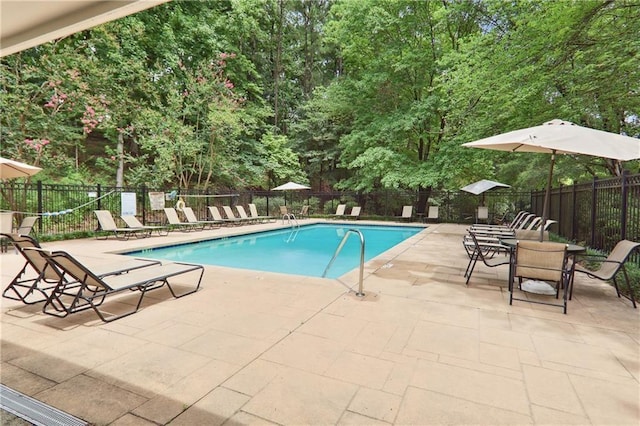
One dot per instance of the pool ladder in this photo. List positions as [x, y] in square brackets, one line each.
[291, 219]
[335, 255]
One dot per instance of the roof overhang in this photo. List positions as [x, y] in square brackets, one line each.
[28, 23]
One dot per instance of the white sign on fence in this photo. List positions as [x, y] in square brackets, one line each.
[157, 200]
[128, 202]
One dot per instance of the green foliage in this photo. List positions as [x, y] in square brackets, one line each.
[365, 94]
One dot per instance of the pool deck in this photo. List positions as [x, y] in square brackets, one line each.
[263, 348]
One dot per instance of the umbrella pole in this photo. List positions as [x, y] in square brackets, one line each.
[547, 196]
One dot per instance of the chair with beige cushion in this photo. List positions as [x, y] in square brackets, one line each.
[535, 264]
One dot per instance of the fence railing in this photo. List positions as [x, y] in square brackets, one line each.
[598, 213]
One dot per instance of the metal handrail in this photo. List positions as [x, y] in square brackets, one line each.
[288, 217]
[335, 255]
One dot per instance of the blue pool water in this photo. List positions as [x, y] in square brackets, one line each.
[304, 251]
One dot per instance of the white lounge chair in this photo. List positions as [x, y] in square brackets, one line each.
[215, 214]
[108, 224]
[134, 223]
[253, 210]
[192, 218]
[355, 212]
[407, 213]
[175, 222]
[230, 215]
[339, 211]
[243, 215]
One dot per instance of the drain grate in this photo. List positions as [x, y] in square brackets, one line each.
[34, 411]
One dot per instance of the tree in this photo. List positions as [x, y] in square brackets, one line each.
[535, 62]
[392, 52]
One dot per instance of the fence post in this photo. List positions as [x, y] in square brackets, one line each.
[574, 213]
[99, 194]
[144, 203]
[594, 199]
[623, 213]
[39, 189]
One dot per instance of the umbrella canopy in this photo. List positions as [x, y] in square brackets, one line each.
[483, 185]
[14, 169]
[562, 137]
[290, 186]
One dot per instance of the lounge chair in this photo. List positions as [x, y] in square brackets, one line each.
[433, 213]
[304, 212]
[36, 279]
[134, 223]
[407, 213]
[521, 221]
[175, 222]
[485, 252]
[610, 267]
[108, 224]
[191, 218]
[25, 228]
[27, 224]
[339, 211]
[253, 210]
[355, 213]
[243, 215]
[90, 291]
[215, 214]
[230, 215]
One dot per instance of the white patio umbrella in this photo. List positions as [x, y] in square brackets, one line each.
[289, 186]
[13, 169]
[562, 137]
[482, 186]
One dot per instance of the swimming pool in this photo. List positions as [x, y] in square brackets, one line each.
[303, 251]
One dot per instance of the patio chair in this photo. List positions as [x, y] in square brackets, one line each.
[36, 279]
[539, 262]
[339, 211]
[175, 222]
[407, 213]
[230, 215]
[432, 213]
[134, 223]
[90, 291]
[355, 213]
[108, 224]
[253, 210]
[304, 211]
[192, 218]
[610, 266]
[215, 214]
[485, 251]
[243, 214]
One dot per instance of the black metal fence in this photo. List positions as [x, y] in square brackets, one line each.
[598, 213]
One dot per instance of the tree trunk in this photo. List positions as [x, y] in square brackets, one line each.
[120, 158]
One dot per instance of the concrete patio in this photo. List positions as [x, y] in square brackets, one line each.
[272, 349]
